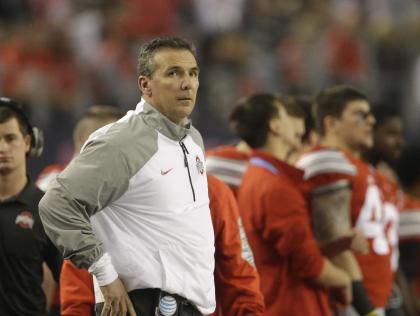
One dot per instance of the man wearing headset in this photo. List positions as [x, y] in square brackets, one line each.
[24, 246]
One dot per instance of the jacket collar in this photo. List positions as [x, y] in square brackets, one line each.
[26, 196]
[161, 123]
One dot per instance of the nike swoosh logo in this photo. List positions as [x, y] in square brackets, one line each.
[165, 172]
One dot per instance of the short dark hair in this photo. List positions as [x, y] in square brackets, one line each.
[7, 113]
[332, 101]
[251, 116]
[98, 113]
[383, 112]
[305, 102]
[104, 112]
[145, 66]
[291, 106]
[408, 167]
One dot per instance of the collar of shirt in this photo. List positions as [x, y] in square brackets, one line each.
[229, 152]
[161, 123]
[25, 196]
[282, 167]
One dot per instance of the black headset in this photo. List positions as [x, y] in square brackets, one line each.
[37, 137]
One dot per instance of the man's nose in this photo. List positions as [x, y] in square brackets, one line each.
[3, 145]
[371, 120]
[187, 83]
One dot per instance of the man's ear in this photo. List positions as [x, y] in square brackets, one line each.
[330, 123]
[144, 86]
[28, 141]
[274, 125]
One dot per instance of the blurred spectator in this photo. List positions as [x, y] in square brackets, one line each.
[24, 245]
[226, 15]
[61, 55]
[408, 171]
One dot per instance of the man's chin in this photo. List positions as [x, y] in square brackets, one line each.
[367, 145]
[180, 118]
[185, 113]
[5, 170]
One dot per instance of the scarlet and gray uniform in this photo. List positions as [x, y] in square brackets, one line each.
[237, 282]
[138, 192]
[286, 253]
[227, 164]
[326, 167]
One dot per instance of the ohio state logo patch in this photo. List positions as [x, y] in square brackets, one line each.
[199, 164]
[25, 220]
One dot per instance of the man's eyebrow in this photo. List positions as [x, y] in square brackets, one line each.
[173, 68]
[364, 111]
[195, 68]
[10, 134]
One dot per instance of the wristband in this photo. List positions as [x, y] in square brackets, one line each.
[360, 300]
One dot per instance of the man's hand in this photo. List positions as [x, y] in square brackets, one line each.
[342, 295]
[359, 242]
[117, 302]
[355, 240]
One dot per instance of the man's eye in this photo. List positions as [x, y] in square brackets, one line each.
[363, 115]
[173, 73]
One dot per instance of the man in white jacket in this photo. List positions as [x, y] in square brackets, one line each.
[133, 206]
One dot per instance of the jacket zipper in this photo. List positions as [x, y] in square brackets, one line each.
[185, 152]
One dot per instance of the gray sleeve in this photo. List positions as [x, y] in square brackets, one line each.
[97, 177]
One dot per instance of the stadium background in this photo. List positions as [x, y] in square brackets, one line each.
[61, 56]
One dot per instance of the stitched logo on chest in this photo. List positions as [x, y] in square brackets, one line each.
[199, 164]
[164, 172]
[25, 220]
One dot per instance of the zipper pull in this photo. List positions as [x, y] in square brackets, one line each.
[185, 161]
[185, 148]
[184, 151]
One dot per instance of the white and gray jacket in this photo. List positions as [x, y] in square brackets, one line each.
[138, 192]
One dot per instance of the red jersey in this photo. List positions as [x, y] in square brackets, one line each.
[287, 256]
[236, 280]
[410, 227]
[410, 219]
[402, 217]
[227, 164]
[324, 166]
[393, 206]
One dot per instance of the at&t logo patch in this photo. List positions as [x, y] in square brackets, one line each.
[167, 306]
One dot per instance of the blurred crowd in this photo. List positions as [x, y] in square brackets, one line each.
[60, 57]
